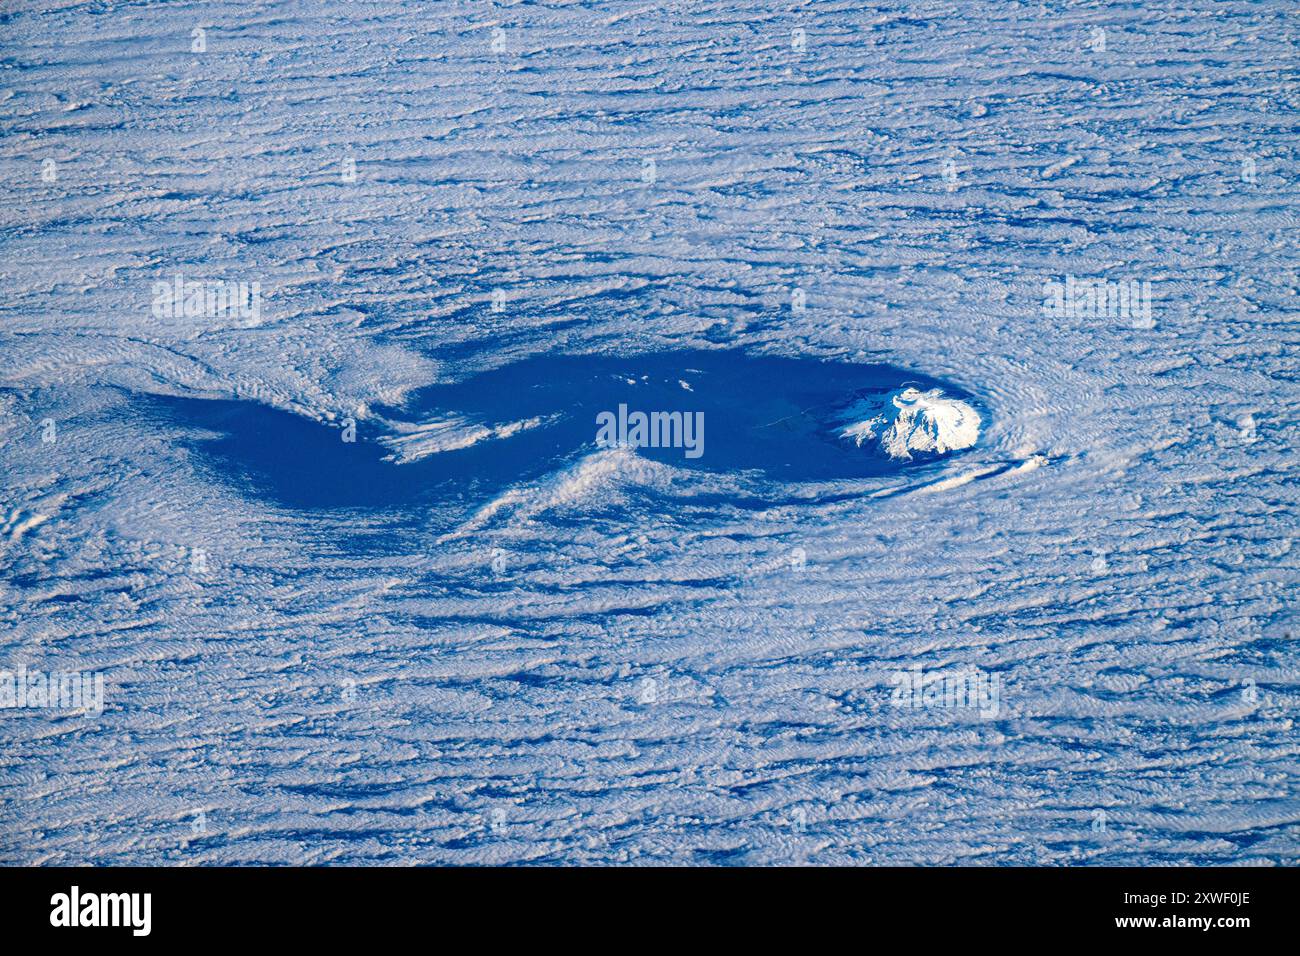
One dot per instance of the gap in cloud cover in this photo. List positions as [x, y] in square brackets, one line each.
[774, 418]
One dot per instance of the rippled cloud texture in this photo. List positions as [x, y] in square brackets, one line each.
[249, 249]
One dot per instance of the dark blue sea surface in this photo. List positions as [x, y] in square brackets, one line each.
[772, 416]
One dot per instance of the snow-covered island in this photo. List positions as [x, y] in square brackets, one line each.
[912, 421]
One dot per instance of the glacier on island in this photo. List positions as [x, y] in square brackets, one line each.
[911, 421]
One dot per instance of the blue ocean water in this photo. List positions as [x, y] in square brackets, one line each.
[768, 415]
